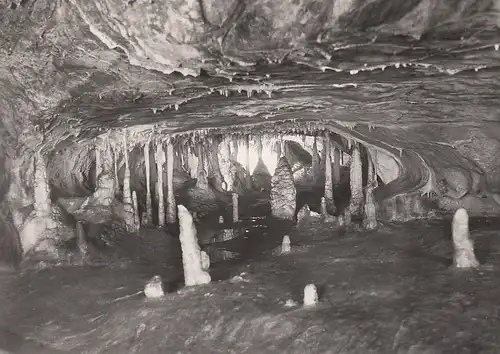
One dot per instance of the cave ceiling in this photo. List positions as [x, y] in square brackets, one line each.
[73, 69]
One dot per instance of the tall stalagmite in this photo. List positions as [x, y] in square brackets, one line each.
[202, 181]
[370, 214]
[147, 163]
[191, 253]
[104, 193]
[283, 192]
[171, 207]
[279, 150]
[160, 160]
[328, 174]
[128, 207]
[356, 180]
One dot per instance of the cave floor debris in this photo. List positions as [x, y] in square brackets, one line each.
[386, 291]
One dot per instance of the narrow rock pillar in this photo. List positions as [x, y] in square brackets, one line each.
[147, 163]
[356, 181]
[328, 174]
[236, 212]
[214, 167]
[336, 166]
[370, 213]
[463, 255]
[316, 168]
[160, 160]
[171, 207]
[247, 153]
[283, 192]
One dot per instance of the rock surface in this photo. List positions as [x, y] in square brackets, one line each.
[283, 192]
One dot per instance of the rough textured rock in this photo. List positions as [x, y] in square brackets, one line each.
[356, 181]
[463, 254]
[283, 192]
[154, 288]
[310, 295]
[191, 256]
[261, 178]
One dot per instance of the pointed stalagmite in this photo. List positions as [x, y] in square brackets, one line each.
[147, 163]
[191, 253]
[328, 174]
[127, 195]
[225, 163]
[81, 242]
[286, 245]
[310, 295]
[370, 214]
[283, 191]
[356, 181]
[236, 212]
[336, 166]
[171, 207]
[463, 255]
[160, 160]
[202, 180]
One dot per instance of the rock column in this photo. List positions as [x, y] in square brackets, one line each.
[147, 163]
[336, 166]
[283, 192]
[328, 174]
[463, 256]
[316, 168]
[370, 214]
[160, 160]
[356, 181]
[171, 207]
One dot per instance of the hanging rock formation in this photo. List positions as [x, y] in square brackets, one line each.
[191, 253]
[283, 192]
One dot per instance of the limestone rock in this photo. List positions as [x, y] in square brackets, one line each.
[205, 260]
[303, 213]
[285, 245]
[154, 288]
[463, 255]
[261, 177]
[310, 295]
[283, 192]
[191, 255]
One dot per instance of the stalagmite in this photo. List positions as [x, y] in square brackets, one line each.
[370, 214]
[463, 256]
[310, 295]
[236, 212]
[191, 254]
[171, 207]
[128, 207]
[328, 174]
[154, 288]
[81, 242]
[283, 192]
[149, 208]
[324, 210]
[98, 162]
[160, 160]
[286, 245]
[336, 166]
[202, 181]
[356, 181]
[278, 150]
[205, 260]
[221, 219]
[105, 185]
[316, 168]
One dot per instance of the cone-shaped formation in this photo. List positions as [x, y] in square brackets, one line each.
[356, 176]
[81, 241]
[191, 255]
[149, 209]
[160, 160]
[225, 164]
[214, 169]
[310, 295]
[286, 245]
[370, 214]
[171, 207]
[236, 212]
[221, 219]
[463, 255]
[283, 192]
[154, 288]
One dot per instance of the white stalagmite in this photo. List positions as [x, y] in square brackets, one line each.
[356, 181]
[236, 216]
[191, 254]
[286, 245]
[171, 207]
[149, 208]
[160, 160]
[154, 288]
[310, 295]
[463, 255]
[324, 210]
[336, 166]
[105, 184]
[221, 219]
[205, 260]
[81, 241]
[328, 173]
[370, 213]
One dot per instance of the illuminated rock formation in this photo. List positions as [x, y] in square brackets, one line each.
[463, 247]
[283, 192]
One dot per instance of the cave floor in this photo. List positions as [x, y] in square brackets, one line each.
[387, 291]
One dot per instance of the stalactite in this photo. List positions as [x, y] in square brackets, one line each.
[328, 174]
[160, 160]
[201, 181]
[234, 151]
[356, 181]
[258, 139]
[127, 195]
[336, 166]
[171, 207]
[370, 214]
[236, 212]
[135, 203]
[316, 169]
[246, 142]
[149, 205]
[225, 163]
[214, 169]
